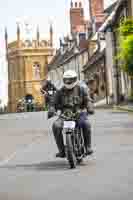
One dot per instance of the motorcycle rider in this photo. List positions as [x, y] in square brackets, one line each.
[73, 96]
[47, 86]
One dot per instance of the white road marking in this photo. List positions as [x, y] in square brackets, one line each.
[14, 154]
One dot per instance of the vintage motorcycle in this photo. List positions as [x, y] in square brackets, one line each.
[73, 139]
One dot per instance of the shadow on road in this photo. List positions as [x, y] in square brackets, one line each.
[59, 165]
[44, 166]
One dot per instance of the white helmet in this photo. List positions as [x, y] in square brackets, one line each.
[70, 79]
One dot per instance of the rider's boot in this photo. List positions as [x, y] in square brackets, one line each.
[88, 148]
[60, 145]
[61, 154]
[86, 127]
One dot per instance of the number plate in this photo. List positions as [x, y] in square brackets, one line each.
[69, 124]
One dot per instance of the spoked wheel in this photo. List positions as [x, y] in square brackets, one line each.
[70, 152]
[79, 144]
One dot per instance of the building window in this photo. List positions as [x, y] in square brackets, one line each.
[37, 71]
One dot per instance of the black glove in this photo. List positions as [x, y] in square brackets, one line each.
[50, 115]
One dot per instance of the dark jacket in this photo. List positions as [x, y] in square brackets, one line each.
[74, 99]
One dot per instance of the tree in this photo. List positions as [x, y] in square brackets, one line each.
[126, 48]
[126, 27]
[126, 54]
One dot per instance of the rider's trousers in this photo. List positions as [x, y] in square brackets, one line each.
[58, 127]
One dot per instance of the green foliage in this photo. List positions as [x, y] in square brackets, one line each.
[126, 54]
[126, 27]
[126, 46]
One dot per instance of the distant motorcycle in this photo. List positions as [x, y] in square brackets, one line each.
[73, 139]
[29, 105]
[20, 108]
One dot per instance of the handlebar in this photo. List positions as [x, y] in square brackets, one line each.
[72, 116]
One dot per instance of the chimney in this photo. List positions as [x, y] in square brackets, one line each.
[77, 18]
[97, 12]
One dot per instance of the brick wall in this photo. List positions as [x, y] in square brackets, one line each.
[97, 7]
[77, 20]
[97, 11]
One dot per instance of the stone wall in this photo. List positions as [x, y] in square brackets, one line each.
[27, 68]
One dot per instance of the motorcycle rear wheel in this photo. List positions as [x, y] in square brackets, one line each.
[70, 152]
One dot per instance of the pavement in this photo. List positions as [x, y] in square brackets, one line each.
[102, 105]
[128, 108]
[30, 171]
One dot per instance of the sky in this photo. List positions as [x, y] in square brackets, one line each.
[40, 12]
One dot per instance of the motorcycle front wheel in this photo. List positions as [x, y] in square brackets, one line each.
[70, 152]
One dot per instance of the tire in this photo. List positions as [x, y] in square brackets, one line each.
[70, 153]
[80, 146]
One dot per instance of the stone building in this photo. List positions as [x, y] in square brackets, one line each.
[95, 69]
[95, 73]
[69, 56]
[73, 50]
[118, 81]
[27, 60]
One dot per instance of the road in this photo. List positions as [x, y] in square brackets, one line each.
[29, 170]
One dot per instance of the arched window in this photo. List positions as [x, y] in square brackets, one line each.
[37, 71]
